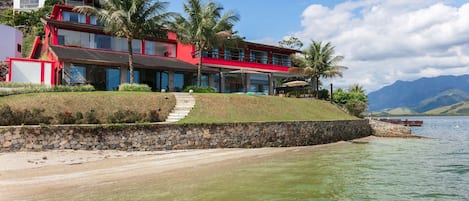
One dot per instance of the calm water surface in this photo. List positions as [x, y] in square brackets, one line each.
[383, 169]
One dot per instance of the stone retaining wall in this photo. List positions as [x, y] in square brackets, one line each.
[147, 137]
[385, 129]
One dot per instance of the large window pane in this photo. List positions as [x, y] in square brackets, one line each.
[159, 48]
[178, 82]
[103, 41]
[112, 79]
[73, 17]
[258, 56]
[73, 38]
[77, 75]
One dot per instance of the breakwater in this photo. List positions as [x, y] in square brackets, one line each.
[150, 137]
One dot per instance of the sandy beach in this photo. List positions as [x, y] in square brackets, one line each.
[38, 175]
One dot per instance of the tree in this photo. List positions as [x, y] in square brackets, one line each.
[131, 19]
[204, 27]
[292, 42]
[356, 89]
[318, 60]
[354, 100]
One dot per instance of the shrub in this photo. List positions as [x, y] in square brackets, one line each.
[134, 87]
[91, 117]
[355, 107]
[126, 116]
[153, 116]
[201, 89]
[18, 117]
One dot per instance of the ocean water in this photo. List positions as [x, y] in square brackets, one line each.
[382, 169]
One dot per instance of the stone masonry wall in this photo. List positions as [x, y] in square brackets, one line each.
[135, 137]
[384, 129]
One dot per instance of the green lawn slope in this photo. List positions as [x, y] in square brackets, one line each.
[220, 108]
[104, 103]
[461, 108]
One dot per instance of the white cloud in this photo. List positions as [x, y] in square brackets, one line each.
[388, 40]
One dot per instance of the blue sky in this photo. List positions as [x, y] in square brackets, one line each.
[382, 40]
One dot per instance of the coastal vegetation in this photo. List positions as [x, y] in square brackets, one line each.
[204, 27]
[354, 100]
[318, 61]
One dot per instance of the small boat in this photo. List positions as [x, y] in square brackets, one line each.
[403, 122]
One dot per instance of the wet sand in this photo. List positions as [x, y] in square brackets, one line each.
[47, 175]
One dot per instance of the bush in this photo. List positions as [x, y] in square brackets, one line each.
[126, 116]
[355, 107]
[201, 89]
[18, 117]
[153, 116]
[91, 117]
[134, 87]
[69, 118]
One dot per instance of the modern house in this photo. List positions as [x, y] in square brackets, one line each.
[27, 5]
[84, 54]
[10, 42]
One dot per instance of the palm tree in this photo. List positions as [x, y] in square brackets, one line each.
[204, 27]
[318, 61]
[131, 19]
[356, 88]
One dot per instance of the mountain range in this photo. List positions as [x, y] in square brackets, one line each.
[443, 95]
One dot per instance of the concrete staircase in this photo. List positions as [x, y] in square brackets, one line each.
[184, 104]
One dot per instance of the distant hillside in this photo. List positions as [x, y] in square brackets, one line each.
[461, 108]
[421, 95]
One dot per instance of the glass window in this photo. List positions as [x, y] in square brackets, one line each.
[161, 81]
[119, 44]
[136, 46]
[102, 41]
[112, 79]
[95, 21]
[136, 76]
[29, 3]
[178, 82]
[77, 75]
[159, 48]
[258, 56]
[281, 59]
[234, 54]
[73, 17]
[73, 38]
[211, 53]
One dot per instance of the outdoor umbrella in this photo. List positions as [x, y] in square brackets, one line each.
[296, 83]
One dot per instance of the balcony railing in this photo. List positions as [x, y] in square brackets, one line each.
[251, 58]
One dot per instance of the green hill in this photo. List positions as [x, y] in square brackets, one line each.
[461, 108]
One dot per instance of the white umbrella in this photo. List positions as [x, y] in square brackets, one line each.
[296, 83]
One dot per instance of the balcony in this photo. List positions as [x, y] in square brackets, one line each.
[79, 2]
[253, 62]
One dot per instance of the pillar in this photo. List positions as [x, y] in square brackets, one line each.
[66, 74]
[248, 82]
[170, 80]
[124, 70]
[222, 82]
[211, 80]
[271, 83]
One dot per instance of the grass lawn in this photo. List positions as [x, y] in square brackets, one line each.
[104, 103]
[218, 108]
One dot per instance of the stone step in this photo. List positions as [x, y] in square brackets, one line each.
[184, 104]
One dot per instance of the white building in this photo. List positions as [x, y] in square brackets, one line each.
[26, 5]
[11, 41]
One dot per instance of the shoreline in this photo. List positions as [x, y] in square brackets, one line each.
[50, 173]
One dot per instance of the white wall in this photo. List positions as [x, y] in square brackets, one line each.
[29, 71]
[9, 39]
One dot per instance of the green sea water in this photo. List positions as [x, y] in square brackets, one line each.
[382, 169]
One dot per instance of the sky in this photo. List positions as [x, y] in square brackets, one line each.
[382, 41]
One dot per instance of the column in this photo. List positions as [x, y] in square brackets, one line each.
[66, 74]
[124, 70]
[211, 80]
[248, 82]
[222, 82]
[170, 80]
[271, 84]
